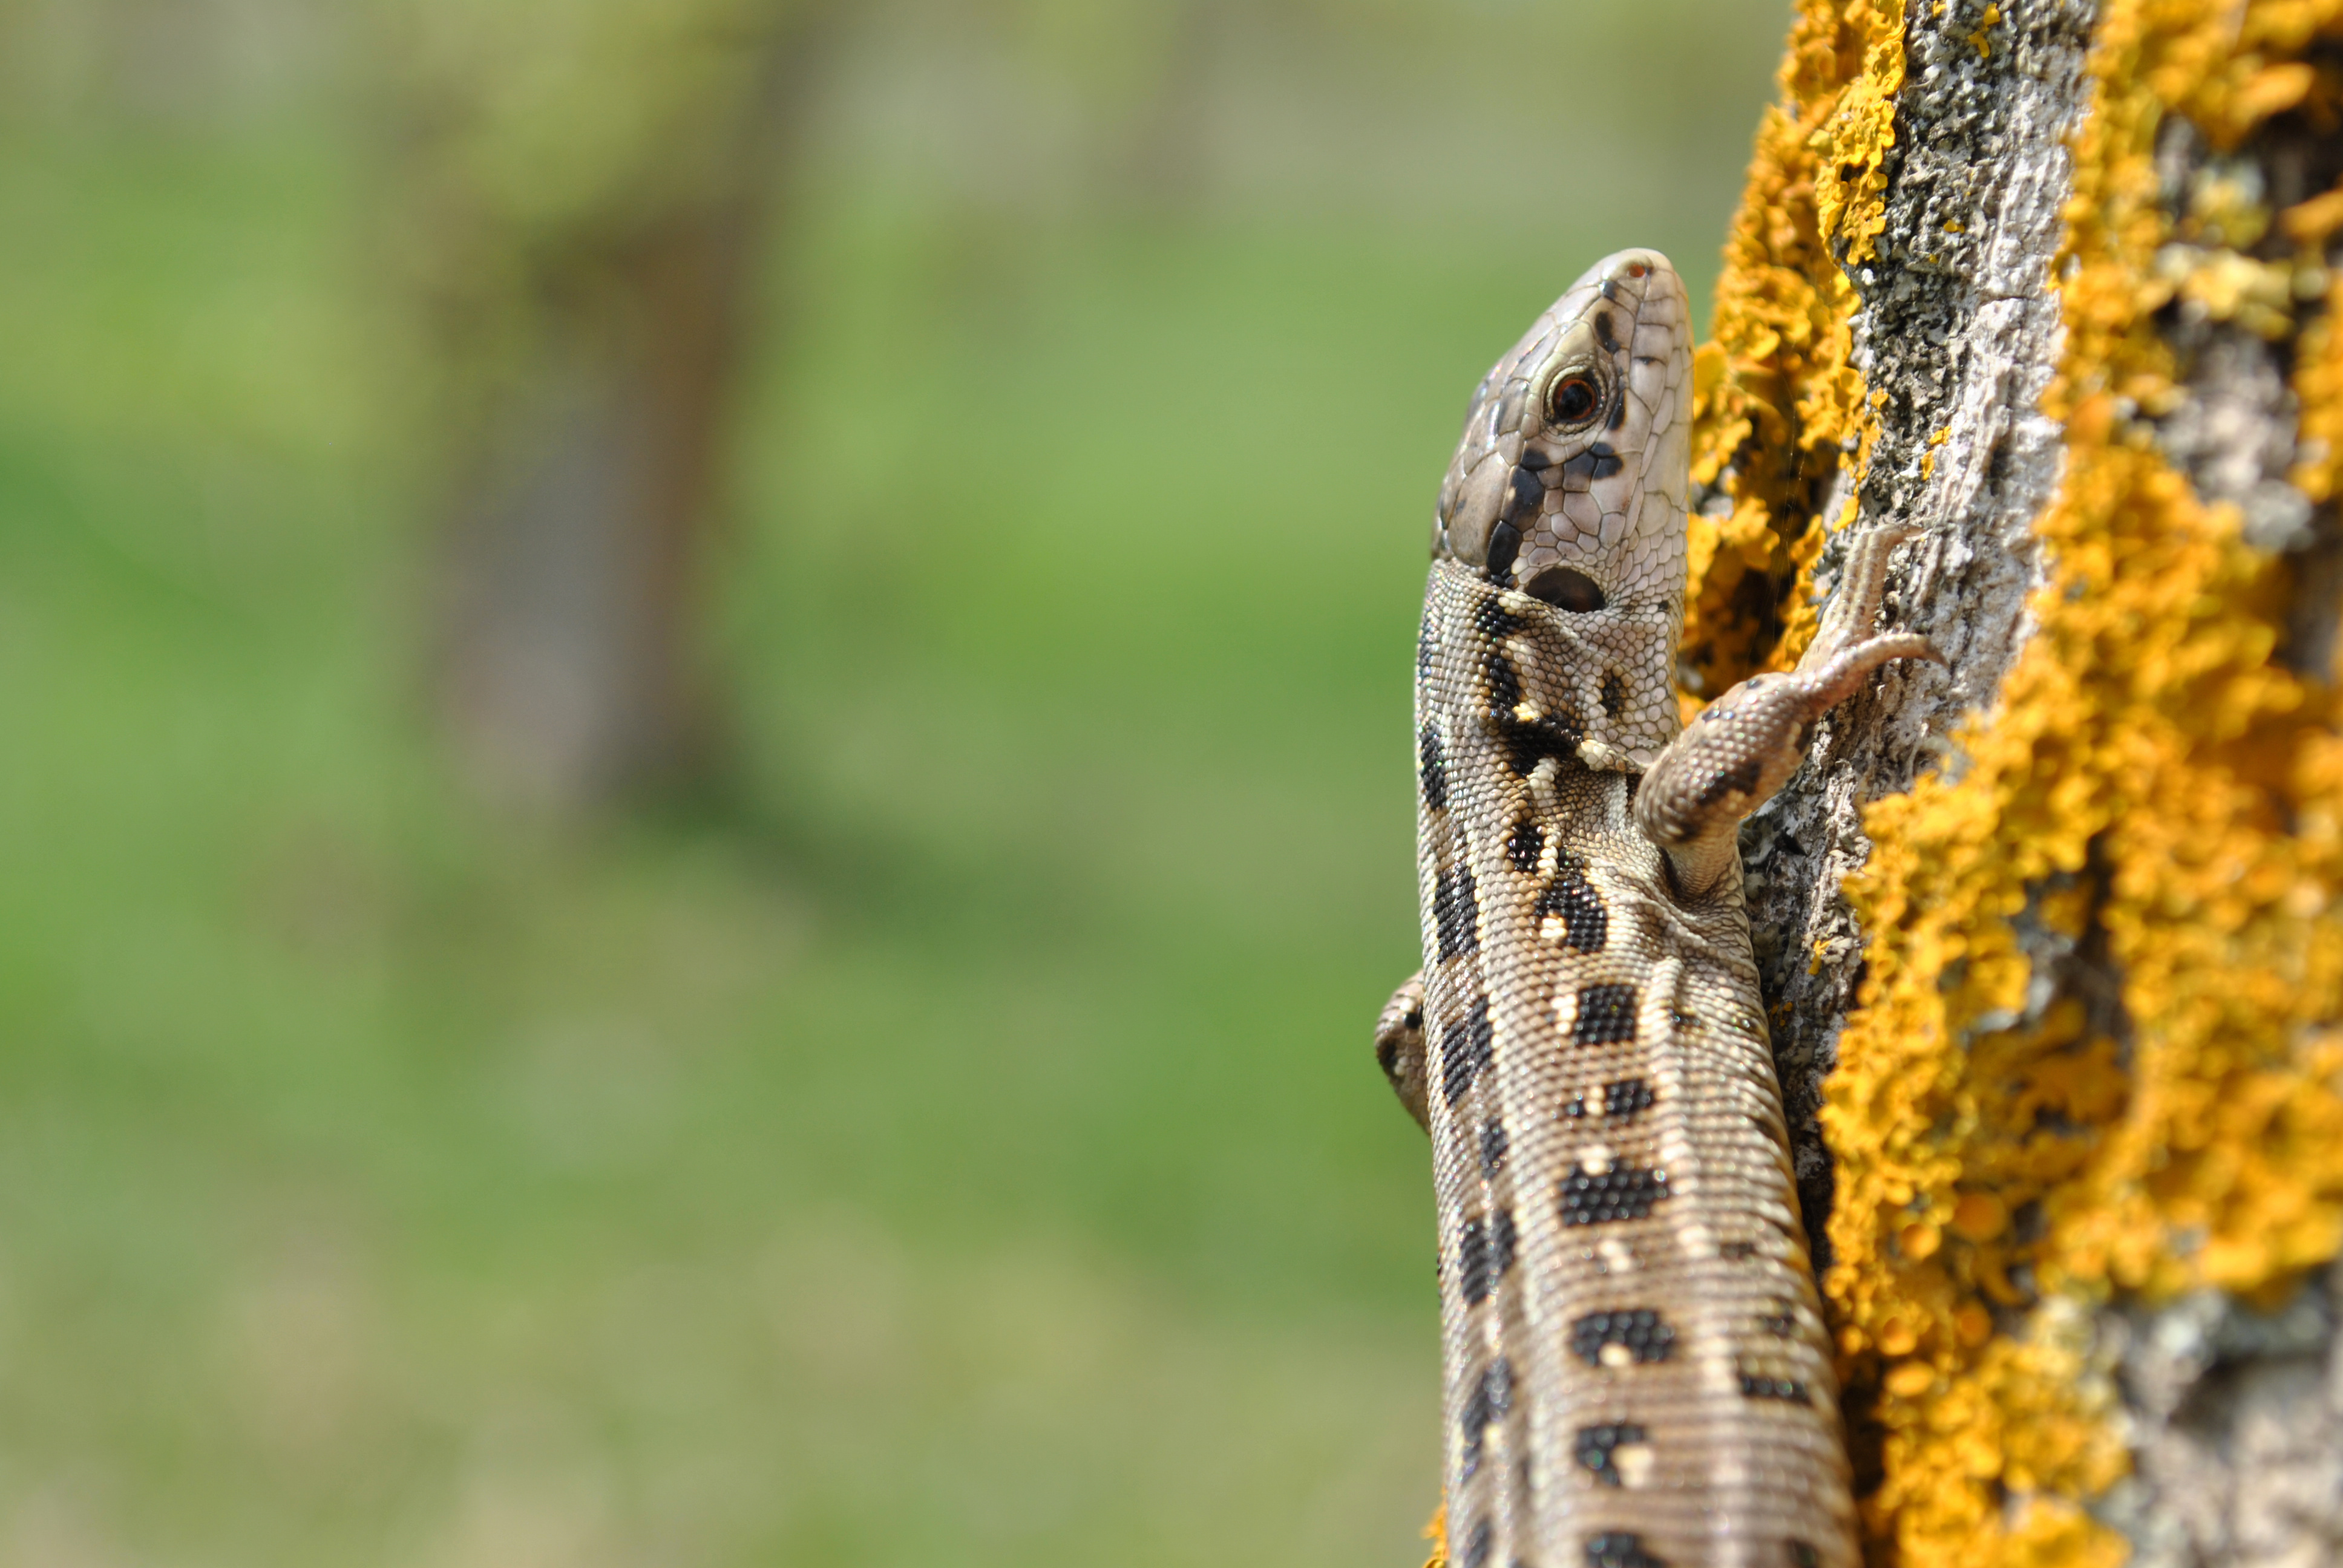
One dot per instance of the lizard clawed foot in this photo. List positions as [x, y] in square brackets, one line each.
[1862, 586]
[1745, 745]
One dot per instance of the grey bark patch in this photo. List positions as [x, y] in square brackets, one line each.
[1960, 325]
[2238, 1423]
[2235, 425]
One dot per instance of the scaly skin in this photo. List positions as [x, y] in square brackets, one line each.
[1637, 1372]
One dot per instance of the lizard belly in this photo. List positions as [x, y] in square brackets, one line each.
[1636, 1370]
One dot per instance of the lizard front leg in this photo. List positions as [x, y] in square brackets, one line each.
[1745, 745]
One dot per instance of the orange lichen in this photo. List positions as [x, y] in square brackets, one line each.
[2149, 784]
[1776, 406]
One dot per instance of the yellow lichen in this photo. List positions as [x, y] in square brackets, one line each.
[2150, 783]
[1777, 407]
[1980, 40]
[2319, 382]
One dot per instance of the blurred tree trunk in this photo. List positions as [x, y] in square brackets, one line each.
[594, 294]
[1166, 164]
[568, 669]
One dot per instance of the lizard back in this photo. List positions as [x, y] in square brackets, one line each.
[1636, 1370]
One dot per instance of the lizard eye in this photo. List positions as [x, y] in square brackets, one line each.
[1572, 400]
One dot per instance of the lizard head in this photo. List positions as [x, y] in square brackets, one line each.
[1569, 488]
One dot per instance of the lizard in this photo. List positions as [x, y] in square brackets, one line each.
[1636, 1372]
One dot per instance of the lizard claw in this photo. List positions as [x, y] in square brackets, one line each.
[1837, 678]
[1861, 585]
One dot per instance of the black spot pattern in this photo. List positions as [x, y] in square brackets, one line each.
[1504, 544]
[1526, 739]
[1491, 619]
[1504, 685]
[1493, 1398]
[1643, 1331]
[1585, 921]
[1524, 845]
[1576, 1105]
[1615, 693]
[1624, 1549]
[1493, 1144]
[1484, 1252]
[1466, 1049]
[1603, 333]
[1756, 1386]
[1597, 462]
[1607, 1013]
[1528, 494]
[1456, 913]
[1803, 1554]
[1626, 1097]
[1595, 1445]
[1477, 1547]
[1431, 769]
[1739, 779]
[1526, 744]
[1473, 1276]
[1621, 1193]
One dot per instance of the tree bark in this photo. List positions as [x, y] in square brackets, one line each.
[2048, 936]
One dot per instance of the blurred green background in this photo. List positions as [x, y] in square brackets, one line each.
[918, 1111]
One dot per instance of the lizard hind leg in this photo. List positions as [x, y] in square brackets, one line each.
[1399, 1048]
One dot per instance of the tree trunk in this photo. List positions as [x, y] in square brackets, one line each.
[568, 671]
[2048, 935]
[590, 350]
